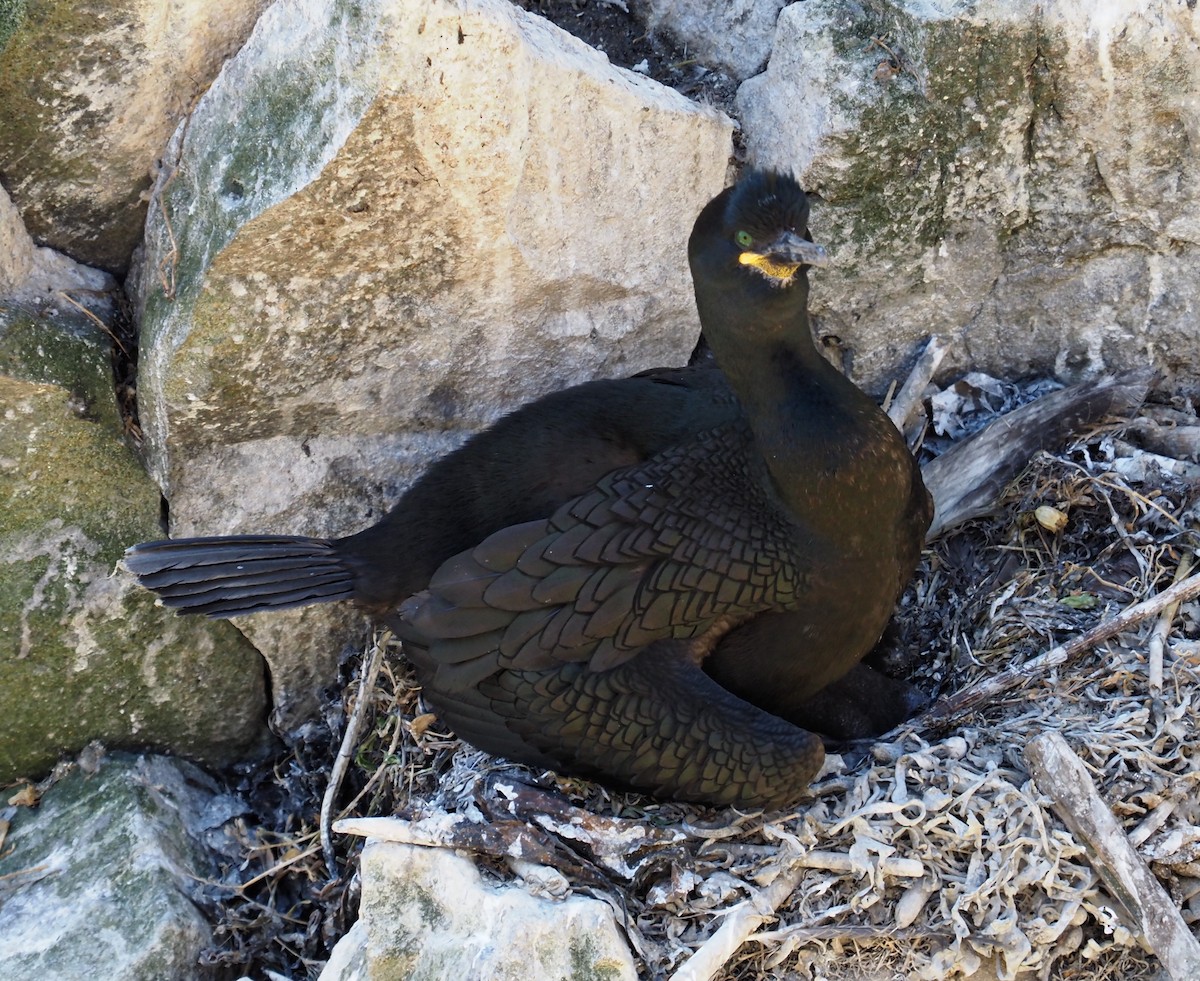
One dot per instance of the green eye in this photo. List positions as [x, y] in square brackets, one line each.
[744, 239]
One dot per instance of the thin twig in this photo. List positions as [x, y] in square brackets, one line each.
[25, 872]
[169, 262]
[218, 886]
[278, 867]
[890, 394]
[989, 689]
[99, 323]
[1106, 480]
[346, 752]
[1162, 629]
[1152, 822]
[388, 756]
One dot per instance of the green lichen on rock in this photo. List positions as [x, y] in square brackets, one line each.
[253, 143]
[403, 954]
[12, 13]
[85, 654]
[55, 127]
[924, 152]
[428, 915]
[589, 963]
[67, 352]
[59, 438]
[297, 265]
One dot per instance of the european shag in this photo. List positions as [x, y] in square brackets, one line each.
[664, 582]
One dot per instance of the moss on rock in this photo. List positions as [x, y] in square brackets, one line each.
[84, 653]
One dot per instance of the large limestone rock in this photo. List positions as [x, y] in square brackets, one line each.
[427, 915]
[83, 654]
[1021, 175]
[97, 881]
[89, 95]
[381, 228]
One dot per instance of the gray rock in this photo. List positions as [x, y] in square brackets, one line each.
[83, 654]
[734, 35]
[427, 915]
[364, 252]
[348, 959]
[97, 879]
[1018, 175]
[33, 275]
[89, 94]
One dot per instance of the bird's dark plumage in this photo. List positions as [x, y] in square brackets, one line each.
[644, 580]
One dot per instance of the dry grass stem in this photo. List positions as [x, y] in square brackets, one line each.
[346, 751]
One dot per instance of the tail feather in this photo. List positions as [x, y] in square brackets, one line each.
[246, 573]
[233, 598]
[236, 574]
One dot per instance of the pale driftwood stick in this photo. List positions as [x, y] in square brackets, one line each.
[540, 880]
[967, 479]
[500, 839]
[1177, 441]
[911, 393]
[1152, 822]
[619, 845]
[600, 833]
[736, 927]
[860, 932]
[947, 709]
[741, 921]
[1162, 630]
[346, 752]
[433, 832]
[1062, 775]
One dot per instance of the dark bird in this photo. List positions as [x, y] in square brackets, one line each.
[664, 582]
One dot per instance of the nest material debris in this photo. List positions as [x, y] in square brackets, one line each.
[931, 854]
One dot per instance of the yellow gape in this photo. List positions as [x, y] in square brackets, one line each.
[782, 272]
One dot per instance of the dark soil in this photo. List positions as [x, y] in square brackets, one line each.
[620, 34]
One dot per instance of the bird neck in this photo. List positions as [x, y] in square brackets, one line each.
[807, 418]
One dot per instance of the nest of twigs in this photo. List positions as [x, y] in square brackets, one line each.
[931, 854]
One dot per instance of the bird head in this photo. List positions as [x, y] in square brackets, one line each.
[758, 227]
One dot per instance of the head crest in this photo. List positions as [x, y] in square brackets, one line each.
[764, 201]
